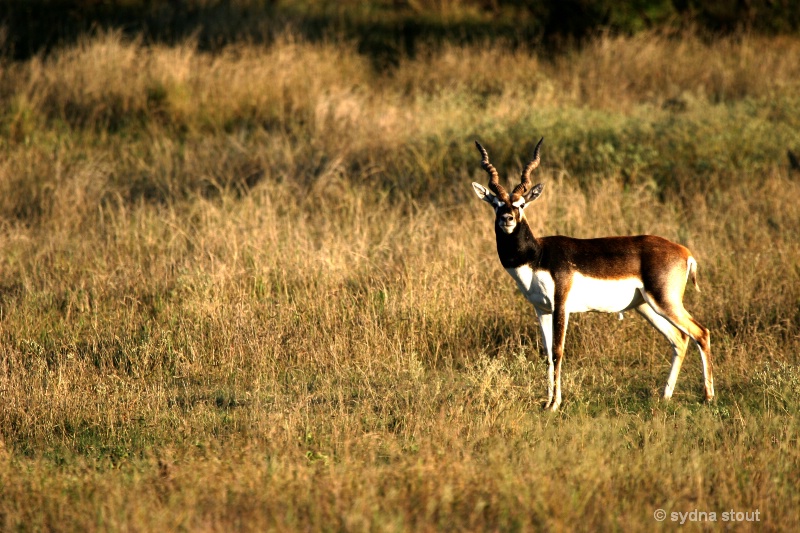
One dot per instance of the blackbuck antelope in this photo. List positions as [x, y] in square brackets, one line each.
[562, 275]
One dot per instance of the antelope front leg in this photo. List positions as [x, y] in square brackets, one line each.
[546, 325]
[560, 319]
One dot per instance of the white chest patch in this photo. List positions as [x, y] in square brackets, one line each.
[537, 286]
[608, 296]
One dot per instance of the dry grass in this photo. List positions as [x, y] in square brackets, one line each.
[253, 290]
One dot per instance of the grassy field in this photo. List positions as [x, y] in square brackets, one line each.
[254, 290]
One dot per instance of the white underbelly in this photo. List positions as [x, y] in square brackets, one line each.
[586, 294]
[608, 296]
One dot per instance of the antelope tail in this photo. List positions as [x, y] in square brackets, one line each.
[692, 272]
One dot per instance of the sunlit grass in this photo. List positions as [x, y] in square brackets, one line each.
[255, 290]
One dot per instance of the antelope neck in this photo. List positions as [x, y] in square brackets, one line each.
[519, 247]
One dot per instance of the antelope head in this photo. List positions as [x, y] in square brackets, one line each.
[509, 209]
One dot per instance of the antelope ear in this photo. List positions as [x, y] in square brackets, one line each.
[534, 193]
[484, 194]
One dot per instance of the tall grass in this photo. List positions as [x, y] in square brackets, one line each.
[252, 289]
